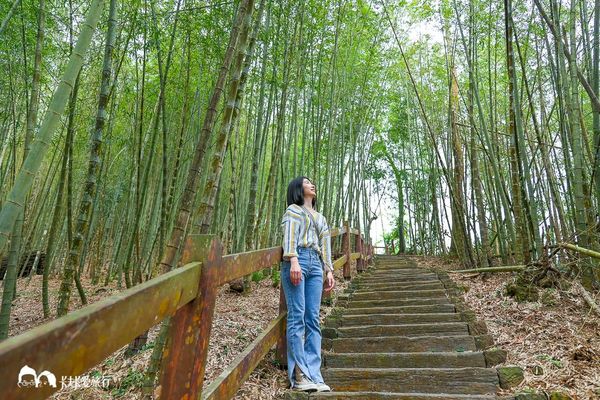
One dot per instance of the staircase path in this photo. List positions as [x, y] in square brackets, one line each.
[403, 332]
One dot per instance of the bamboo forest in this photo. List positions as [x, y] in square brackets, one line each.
[149, 149]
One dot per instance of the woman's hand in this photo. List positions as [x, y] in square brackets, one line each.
[329, 281]
[295, 271]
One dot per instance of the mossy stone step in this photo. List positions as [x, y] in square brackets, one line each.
[471, 380]
[404, 344]
[395, 319]
[404, 360]
[398, 294]
[414, 309]
[435, 329]
[353, 303]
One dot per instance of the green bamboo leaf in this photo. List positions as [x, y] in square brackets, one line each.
[24, 179]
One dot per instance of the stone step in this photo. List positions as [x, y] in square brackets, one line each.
[398, 268]
[400, 285]
[395, 262]
[400, 271]
[435, 329]
[380, 273]
[411, 267]
[395, 319]
[379, 280]
[398, 294]
[380, 287]
[385, 278]
[415, 309]
[397, 279]
[395, 270]
[404, 360]
[396, 302]
[391, 263]
[413, 380]
[403, 344]
[388, 396]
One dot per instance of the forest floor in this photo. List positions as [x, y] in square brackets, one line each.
[556, 340]
[238, 320]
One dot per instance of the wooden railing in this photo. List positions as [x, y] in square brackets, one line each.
[69, 346]
[385, 248]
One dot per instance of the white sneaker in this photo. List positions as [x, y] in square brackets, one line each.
[322, 387]
[303, 383]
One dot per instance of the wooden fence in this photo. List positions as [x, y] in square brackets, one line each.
[71, 345]
[386, 249]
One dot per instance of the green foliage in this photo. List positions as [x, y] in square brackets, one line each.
[257, 276]
[399, 122]
[275, 277]
[351, 116]
[548, 358]
[422, 9]
[133, 379]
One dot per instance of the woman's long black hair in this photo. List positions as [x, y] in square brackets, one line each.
[295, 192]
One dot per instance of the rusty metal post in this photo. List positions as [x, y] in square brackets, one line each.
[346, 250]
[359, 249]
[281, 351]
[185, 354]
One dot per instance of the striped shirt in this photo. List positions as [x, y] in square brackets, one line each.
[298, 231]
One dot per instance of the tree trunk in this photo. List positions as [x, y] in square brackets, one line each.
[177, 236]
[85, 206]
[25, 177]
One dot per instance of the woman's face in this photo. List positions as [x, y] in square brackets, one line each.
[310, 190]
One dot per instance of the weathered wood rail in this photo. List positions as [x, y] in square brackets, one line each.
[71, 345]
[386, 249]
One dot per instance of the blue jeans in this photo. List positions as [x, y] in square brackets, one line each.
[303, 303]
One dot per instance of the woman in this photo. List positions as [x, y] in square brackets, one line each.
[306, 255]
